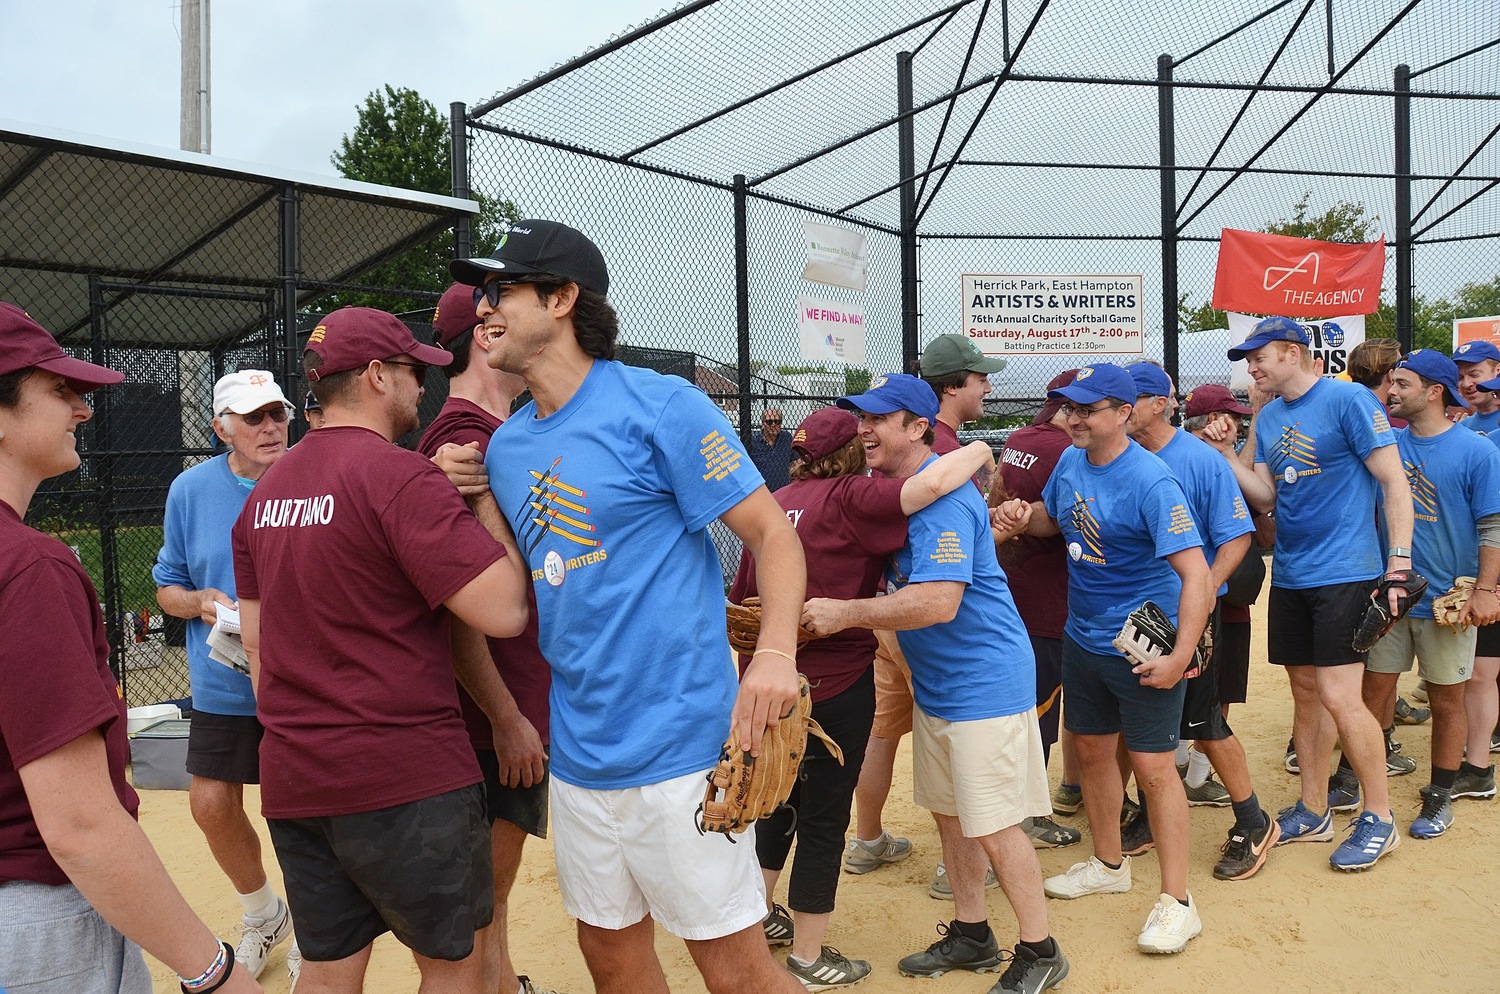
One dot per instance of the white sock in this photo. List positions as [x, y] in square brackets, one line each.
[261, 903]
[800, 961]
[1182, 753]
[1198, 769]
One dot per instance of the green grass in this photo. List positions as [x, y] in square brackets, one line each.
[135, 548]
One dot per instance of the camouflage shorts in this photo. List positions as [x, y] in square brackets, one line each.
[419, 870]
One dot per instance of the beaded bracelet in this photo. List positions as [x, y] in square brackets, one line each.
[204, 982]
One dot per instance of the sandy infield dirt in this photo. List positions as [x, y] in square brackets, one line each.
[1423, 919]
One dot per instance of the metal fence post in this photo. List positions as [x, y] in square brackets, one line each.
[906, 137]
[109, 561]
[1167, 139]
[458, 138]
[1404, 288]
[742, 305]
[290, 239]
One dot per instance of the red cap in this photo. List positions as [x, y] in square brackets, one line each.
[824, 432]
[454, 315]
[24, 344]
[353, 337]
[1054, 404]
[1210, 399]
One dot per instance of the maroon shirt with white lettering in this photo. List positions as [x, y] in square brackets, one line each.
[519, 660]
[352, 544]
[55, 685]
[849, 527]
[1037, 568]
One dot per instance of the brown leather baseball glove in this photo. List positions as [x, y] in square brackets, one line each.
[745, 788]
[1448, 608]
[743, 622]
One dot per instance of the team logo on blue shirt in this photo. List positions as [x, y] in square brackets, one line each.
[1295, 447]
[1087, 526]
[1423, 493]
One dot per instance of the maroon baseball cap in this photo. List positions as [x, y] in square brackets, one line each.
[1054, 404]
[25, 344]
[1212, 398]
[824, 432]
[454, 315]
[352, 337]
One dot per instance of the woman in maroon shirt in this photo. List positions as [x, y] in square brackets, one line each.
[76, 870]
[849, 524]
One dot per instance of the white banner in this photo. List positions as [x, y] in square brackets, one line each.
[1054, 315]
[1332, 340]
[837, 256]
[828, 329]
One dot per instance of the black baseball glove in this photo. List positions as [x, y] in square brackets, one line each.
[1378, 619]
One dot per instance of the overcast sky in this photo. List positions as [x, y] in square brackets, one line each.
[287, 75]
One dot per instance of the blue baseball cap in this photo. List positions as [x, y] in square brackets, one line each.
[1476, 352]
[896, 392]
[1097, 382]
[1272, 330]
[1439, 369]
[1150, 379]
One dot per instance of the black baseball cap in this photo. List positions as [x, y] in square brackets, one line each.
[539, 248]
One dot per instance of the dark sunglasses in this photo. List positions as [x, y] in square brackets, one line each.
[254, 418]
[420, 367]
[771, 421]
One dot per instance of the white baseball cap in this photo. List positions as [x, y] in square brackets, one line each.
[246, 391]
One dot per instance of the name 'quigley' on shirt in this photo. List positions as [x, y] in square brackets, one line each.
[294, 512]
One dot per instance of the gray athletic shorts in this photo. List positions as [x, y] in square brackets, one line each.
[53, 942]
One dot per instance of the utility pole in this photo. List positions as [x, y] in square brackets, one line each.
[197, 119]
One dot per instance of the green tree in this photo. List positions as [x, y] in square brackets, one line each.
[401, 140]
[1343, 222]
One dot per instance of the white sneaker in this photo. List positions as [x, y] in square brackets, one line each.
[258, 936]
[294, 966]
[1091, 877]
[1170, 926]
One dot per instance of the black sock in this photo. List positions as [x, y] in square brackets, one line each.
[1248, 814]
[1344, 763]
[1468, 767]
[1047, 947]
[1444, 779]
[1183, 903]
[1112, 866]
[976, 931]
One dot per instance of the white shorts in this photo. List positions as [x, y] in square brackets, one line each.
[989, 773]
[623, 854]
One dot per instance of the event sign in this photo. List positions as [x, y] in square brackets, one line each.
[1296, 277]
[1476, 330]
[1332, 341]
[837, 256]
[828, 329]
[1054, 314]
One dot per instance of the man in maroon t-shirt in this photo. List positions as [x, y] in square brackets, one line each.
[1038, 570]
[346, 554]
[511, 755]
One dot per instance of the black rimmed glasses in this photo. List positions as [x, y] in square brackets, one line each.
[1084, 413]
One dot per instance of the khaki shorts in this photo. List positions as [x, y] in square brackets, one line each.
[989, 773]
[892, 689]
[1444, 657]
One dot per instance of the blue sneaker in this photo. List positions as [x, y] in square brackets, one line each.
[1371, 839]
[1298, 824]
[1436, 816]
[1343, 791]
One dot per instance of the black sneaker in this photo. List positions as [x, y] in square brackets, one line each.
[954, 951]
[830, 971]
[1128, 811]
[1406, 714]
[1397, 765]
[778, 927]
[1478, 784]
[1290, 762]
[1135, 838]
[1244, 853]
[1343, 791]
[1029, 973]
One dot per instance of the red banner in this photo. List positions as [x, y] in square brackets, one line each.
[1297, 277]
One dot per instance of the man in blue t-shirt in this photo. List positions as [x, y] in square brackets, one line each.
[1455, 485]
[1322, 448]
[610, 478]
[1223, 520]
[1130, 538]
[194, 573]
[1478, 362]
[977, 761]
